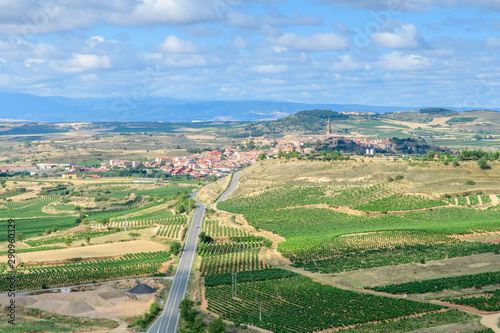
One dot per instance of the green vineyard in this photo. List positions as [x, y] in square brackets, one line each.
[227, 257]
[216, 230]
[352, 252]
[129, 265]
[173, 227]
[447, 283]
[399, 202]
[295, 303]
[488, 301]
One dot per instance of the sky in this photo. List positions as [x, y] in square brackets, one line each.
[384, 52]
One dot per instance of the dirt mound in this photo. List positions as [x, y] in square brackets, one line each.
[51, 306]
[20, 300]
[88, 297]
[71, 308]
[141, 289]
[108, 292]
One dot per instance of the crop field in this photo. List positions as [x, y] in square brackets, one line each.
[217, 230]
[172, 227]
[399, 202]
[37, 226]
[137, 264]
[487, 301]
[228, 257]
[462, 322]
[379, 197]
[353, 252]
[448, 283]
[290, 302]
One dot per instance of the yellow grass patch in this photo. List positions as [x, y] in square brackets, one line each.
[91, 251]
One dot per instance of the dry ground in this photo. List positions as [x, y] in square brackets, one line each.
[487, 262]
[209, 193]
[429, 178]
[91, 251]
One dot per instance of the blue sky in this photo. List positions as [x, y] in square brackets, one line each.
[385, 52]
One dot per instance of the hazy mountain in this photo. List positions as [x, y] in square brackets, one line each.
[37, 108]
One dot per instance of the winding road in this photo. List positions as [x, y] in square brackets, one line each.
[169, 319]
[232, 186]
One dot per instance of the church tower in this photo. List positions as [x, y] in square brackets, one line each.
[329, 128]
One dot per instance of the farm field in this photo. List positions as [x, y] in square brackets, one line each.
[358, 229]
[92, 251]
[281, 301]
[77, 235]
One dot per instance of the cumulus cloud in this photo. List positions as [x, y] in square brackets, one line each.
[270, 69]
[172, 44]
[193, 60]
[347, 63]
[403, 36]
[151, 12]
[311, 43]
[81, 63]
[493, 42]
[416, 5]
[398, 61]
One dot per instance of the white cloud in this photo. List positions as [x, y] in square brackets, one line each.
[493, 42]
[98, 38]
[314, 42]
[151, 12]
[416, 5]
[172, 44]
[270, 69]
[404, 36]
[193, 60]
[404, 62]
[347, 63]
[82, 62]
[240, 42]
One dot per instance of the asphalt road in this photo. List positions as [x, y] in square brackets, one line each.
[168, 320]
[231, 188]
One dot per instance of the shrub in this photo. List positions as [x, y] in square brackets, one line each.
[470, 182]
[482, 164]
[399, 177]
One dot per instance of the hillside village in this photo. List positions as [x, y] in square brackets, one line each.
[217, 163]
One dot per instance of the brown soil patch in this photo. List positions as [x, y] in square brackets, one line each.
[90, 251]
[487, 262]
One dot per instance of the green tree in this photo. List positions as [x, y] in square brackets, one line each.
[186, 307]
[217, 326]
[180, 208]
[68, 241]
[175, 248]
[204, 238]
[199, 325]
[78, 208]
[482, 164]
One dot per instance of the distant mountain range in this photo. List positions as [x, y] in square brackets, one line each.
[61, 109]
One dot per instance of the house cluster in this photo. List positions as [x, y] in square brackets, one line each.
[215, 162]
[303, 146]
